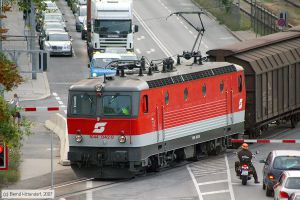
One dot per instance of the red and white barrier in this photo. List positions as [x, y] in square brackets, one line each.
[287, 141]
[34, 109]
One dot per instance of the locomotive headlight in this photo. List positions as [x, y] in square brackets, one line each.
[98, 87]
[78, 138]
[94, 74]
[122, 139]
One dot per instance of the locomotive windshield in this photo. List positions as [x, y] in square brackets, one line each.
[83, 104]
[117, 105]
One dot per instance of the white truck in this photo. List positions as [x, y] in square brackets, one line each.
[111, 25]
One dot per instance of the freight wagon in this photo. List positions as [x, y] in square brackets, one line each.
[272, 72]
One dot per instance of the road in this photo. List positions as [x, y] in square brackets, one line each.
[212, 178]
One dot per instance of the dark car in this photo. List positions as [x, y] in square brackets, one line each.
[277, 162]
[295, 196]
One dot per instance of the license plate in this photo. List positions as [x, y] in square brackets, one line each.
[244, 173]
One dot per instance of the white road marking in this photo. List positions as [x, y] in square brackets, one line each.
[60, 103]
[57, 98]
[195, 183]
[72, 183]
[213, 182]
[229, 179]
[185, 27]
[152, 35]
[89, 194]
[191, 32]
[65, 111]
[226, 38]
[215, 192]
[54, 149]
[181, 22]
[141, 38]
[54, 94]
[201, 174]
[138, 51]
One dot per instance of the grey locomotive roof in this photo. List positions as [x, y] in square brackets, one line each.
[134, 82]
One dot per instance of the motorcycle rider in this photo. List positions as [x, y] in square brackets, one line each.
[246, 153]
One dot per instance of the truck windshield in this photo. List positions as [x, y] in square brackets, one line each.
[83, 104]
[104, 27]
[117, 105]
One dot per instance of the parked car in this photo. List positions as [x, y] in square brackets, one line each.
[80, 15]
[58, 43]
[54, 17]
[276, 162]
[289, 182]
[295, 196]
[75, 4]
[83, 30]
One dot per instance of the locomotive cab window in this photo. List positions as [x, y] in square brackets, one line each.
[117, 105]
[204, 89]
[83, 104]
[145, 103]
[221, 86]
[167, 98]
[240, 83]
[186, 94]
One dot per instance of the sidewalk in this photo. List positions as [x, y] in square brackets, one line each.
[30, 89]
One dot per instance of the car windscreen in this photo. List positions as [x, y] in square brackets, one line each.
[59, 37]
[54, 26]
[53, 18]
[116, 105]
[286, 162]
[83, 104]
[293, 183]
[103, 62]
[112, 26]
[82, 11]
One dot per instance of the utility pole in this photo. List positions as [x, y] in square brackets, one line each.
[32, 40]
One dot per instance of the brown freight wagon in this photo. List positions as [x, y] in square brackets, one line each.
[272, 71]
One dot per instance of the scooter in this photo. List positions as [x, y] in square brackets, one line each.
[244, 171]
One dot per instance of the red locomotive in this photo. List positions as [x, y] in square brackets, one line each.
[123, 125]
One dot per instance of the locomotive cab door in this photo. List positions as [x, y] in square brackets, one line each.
[229, 102]
[159, 123]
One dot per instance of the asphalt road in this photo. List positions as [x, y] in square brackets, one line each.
[212, 178]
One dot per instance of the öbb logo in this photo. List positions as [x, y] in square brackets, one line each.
[99, 127]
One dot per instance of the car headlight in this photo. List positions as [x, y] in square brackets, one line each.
[122, 139]
[48, 47]
[66, 47]
[94, 74]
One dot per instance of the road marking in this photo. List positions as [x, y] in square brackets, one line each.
[213, 182]
[215, 192]
[141, 38]
[191, 32]
[229, 179]
[54, 149]
[60, 103]
[185, 27]
[201, 174]
[226, 38]
[54, 94]
[152, 35]
[65, 111]
[89, 194]
[57, 98]
[195, 183]
[138, 51]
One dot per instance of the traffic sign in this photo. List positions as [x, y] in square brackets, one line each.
[281, 22]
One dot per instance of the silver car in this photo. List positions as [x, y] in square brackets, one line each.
[80, 15]
[58, 43]
[289, 182]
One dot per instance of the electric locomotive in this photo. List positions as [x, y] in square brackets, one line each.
[130, 123]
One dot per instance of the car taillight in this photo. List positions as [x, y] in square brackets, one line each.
[271, 177]
[283, 194]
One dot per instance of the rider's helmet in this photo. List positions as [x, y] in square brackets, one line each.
[245, 146]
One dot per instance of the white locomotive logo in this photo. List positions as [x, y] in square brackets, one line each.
[99, 127]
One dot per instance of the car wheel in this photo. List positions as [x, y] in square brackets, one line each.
[269, 192]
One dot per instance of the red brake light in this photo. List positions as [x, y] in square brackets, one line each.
[283, 195]
[245, 165]
[1, 148]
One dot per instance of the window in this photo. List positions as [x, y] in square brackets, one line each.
[222, 86]
[204, 89]
[186, 94]
[293, 183]
[145, 103]
[117, 105]
[286, 162]
[240, 83]
[167, 98]
[83, 104]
